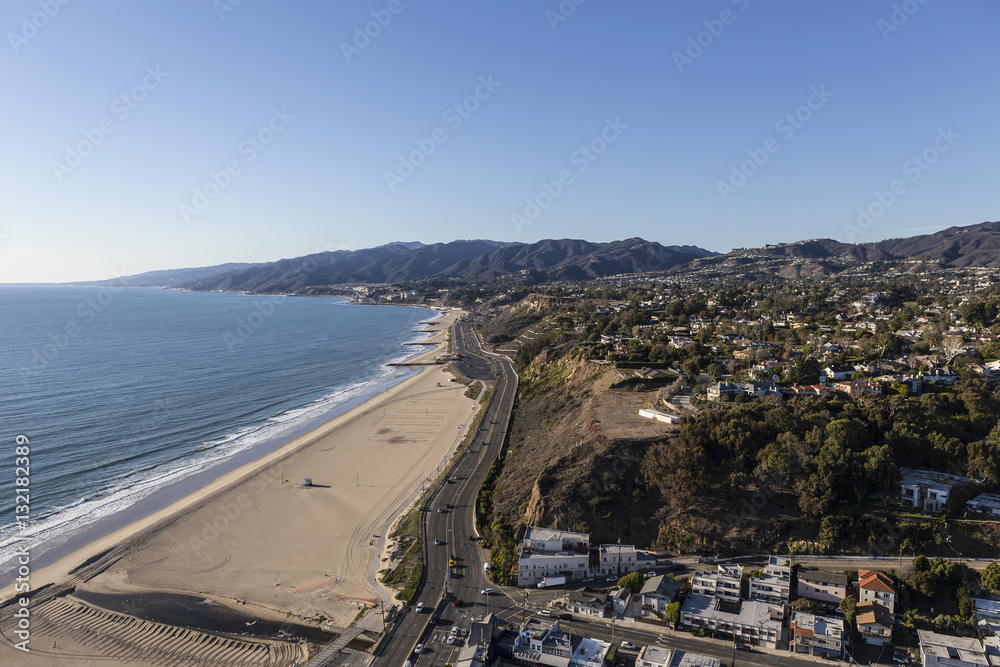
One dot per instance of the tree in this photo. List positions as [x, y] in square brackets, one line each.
[990, 576]
[673, 612]
[633, 581]
[847, 607]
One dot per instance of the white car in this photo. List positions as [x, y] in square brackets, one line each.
[611, 579]
[544, 612]
[628, 645]
[420, 607]
[454, 630]
[486, 591]
[419, 649]
[651, 573]
[463, 632]
[451, 640]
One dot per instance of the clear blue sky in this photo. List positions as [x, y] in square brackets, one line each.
[130, 204]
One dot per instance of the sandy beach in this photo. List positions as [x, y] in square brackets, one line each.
[258, 540]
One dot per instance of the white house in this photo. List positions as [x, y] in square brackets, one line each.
[948, 651]
[545, 552]
[876, 587]
[620, 559]
[724, 583]
[927, 490]
[658, 592]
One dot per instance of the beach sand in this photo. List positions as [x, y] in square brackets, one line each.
[258, 540]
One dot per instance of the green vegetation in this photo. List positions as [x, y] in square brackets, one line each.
[634, 581]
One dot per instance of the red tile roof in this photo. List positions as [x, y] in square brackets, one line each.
[875, 581]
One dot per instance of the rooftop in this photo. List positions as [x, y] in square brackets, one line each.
[543, 534]
[811, 625]
[819, 576]
[931, 479]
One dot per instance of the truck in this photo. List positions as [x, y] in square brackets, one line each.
[548, 582]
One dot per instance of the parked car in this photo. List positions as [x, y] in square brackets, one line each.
[454, 630]
[463, 631]
[651, 573]
[900, 659]
[628, 645]
[458, 603]
[611, 579]
[565, 617]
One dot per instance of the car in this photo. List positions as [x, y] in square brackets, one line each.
[586, 580]
[419, 649]
[437, 542]
[565, 617]
[451, 574]
[458, 603]
[900, 659]
[651, 573]
[544, 612]
[628, 645]
[451, 640]
[447, 506]
[420, 607]
[440, 510]
[463, 632]
[611, 579]
[486, 591]
[745, 648]
[454, 630]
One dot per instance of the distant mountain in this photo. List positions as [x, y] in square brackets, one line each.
[566, 259]
[973, 245]
[394, 262]
[170, 277]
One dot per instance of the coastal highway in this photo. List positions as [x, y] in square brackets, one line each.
[454, 525]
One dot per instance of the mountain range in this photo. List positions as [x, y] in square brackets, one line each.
[573, 259]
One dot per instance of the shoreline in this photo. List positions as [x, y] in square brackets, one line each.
[61, 569]
[395, 371]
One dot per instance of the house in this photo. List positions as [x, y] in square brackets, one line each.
[774, 586]
[944, 376]
[619, 600]
[724, 583]
[927, 490]
[620, 559]
[829, 587]
[652, 374]
[874, 623]
[589, 652]
[756, 623]
[586, 604]
[659, 656]
[876, 587]
[833, 373]
[722, 390]
[855, 388]
[746, 354]
[984, 503]
[987, 614]
[545, 552]
[541, 642]
[817, 635]
[658, 592]
[820, 390]
[948, 651]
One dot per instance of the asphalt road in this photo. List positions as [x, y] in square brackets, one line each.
[453, 527]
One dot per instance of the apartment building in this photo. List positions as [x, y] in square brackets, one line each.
[545, 552]
[876, 587]
[817, 635]
[829, 587]
[724, 583]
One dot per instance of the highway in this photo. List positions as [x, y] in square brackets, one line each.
[454, 525]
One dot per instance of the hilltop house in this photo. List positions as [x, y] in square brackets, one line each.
[984, 503]
[855, 388]
[833, 373]
[876, 587]
[927, 490]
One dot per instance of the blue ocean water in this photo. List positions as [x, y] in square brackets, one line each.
[124, 391]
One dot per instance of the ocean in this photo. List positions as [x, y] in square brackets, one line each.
[130, 398]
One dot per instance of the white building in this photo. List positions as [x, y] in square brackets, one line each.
[658, 592]
[775, 585]
[947, 651]
[551, 553]
[620, 559]
[755, 623]
[723, 583]
[658, 656]
[876, 587]
[927, 490]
